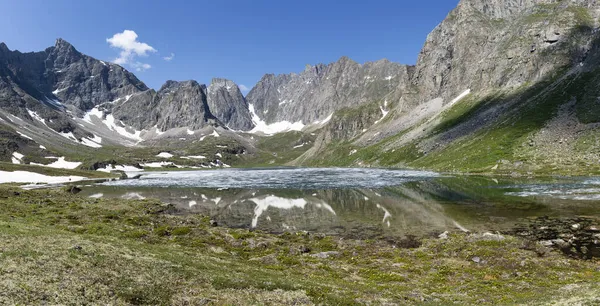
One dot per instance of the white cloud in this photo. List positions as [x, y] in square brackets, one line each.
[140, 66]
[169, 58]
[130, 48]
[244, 87]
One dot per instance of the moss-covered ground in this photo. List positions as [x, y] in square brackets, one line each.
[59, 248]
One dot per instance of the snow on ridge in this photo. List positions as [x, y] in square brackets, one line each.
[36, 116]
[23, 135]
[93, 112]
[110, 123]
[462, 95]
[69, 136]
[90, 142]
[322, 122]
[274, 128]
[59, 90]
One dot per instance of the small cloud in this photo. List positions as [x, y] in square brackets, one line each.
[244, 88]
[169, 58]
[140, 66]
[130, 48]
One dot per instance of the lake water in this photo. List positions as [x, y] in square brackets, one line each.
[361, 203]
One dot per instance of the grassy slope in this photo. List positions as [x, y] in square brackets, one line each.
[504, 140]
[61, 248]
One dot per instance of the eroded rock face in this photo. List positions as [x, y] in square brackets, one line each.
[227, 103]
[487, 45]
[320, 90]
[176, 104]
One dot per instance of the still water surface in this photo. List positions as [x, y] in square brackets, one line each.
[360, 203]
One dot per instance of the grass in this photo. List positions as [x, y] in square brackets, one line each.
[59, 248]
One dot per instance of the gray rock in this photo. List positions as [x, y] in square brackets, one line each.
[226, 103]
[176, 104]
[320, 90]
[324, 255]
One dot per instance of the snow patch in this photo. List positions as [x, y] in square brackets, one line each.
[190, 132]
[299, 146]
[164, 155]
[96, 195]
[92, 142]
[36, 116]
[43, 148]
[214, 134]
[69, 136]
[274, 128]
[194, 157]
[462, 95]
[384, 112]
[32, 177]
[322, 122]
[17, 158]
[56, 92]
[25, 136]
[110, 123]
[125, 168]
[219, 155]
[61, 163]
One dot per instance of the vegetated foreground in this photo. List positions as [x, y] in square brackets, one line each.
[60, 248]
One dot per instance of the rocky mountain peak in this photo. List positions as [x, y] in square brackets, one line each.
[3, 47]
[217, 83]
[227, 103]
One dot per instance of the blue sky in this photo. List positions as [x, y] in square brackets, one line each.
[235, 39]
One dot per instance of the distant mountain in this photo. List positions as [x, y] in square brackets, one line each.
[501, 85]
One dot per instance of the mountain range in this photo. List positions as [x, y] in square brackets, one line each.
[508, 86]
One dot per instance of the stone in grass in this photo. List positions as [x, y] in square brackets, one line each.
[72, 189]
[297, 250]
[267, 260]
[486, 237]
[324, 255]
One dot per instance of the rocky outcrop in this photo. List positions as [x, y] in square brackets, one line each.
[227, 103]
[320, 90]
[176, 104]
[502, 44]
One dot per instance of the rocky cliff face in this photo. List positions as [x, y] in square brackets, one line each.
[64, 74]
[176, 104]
[320, 90]
[226, 102]
[487, 45]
